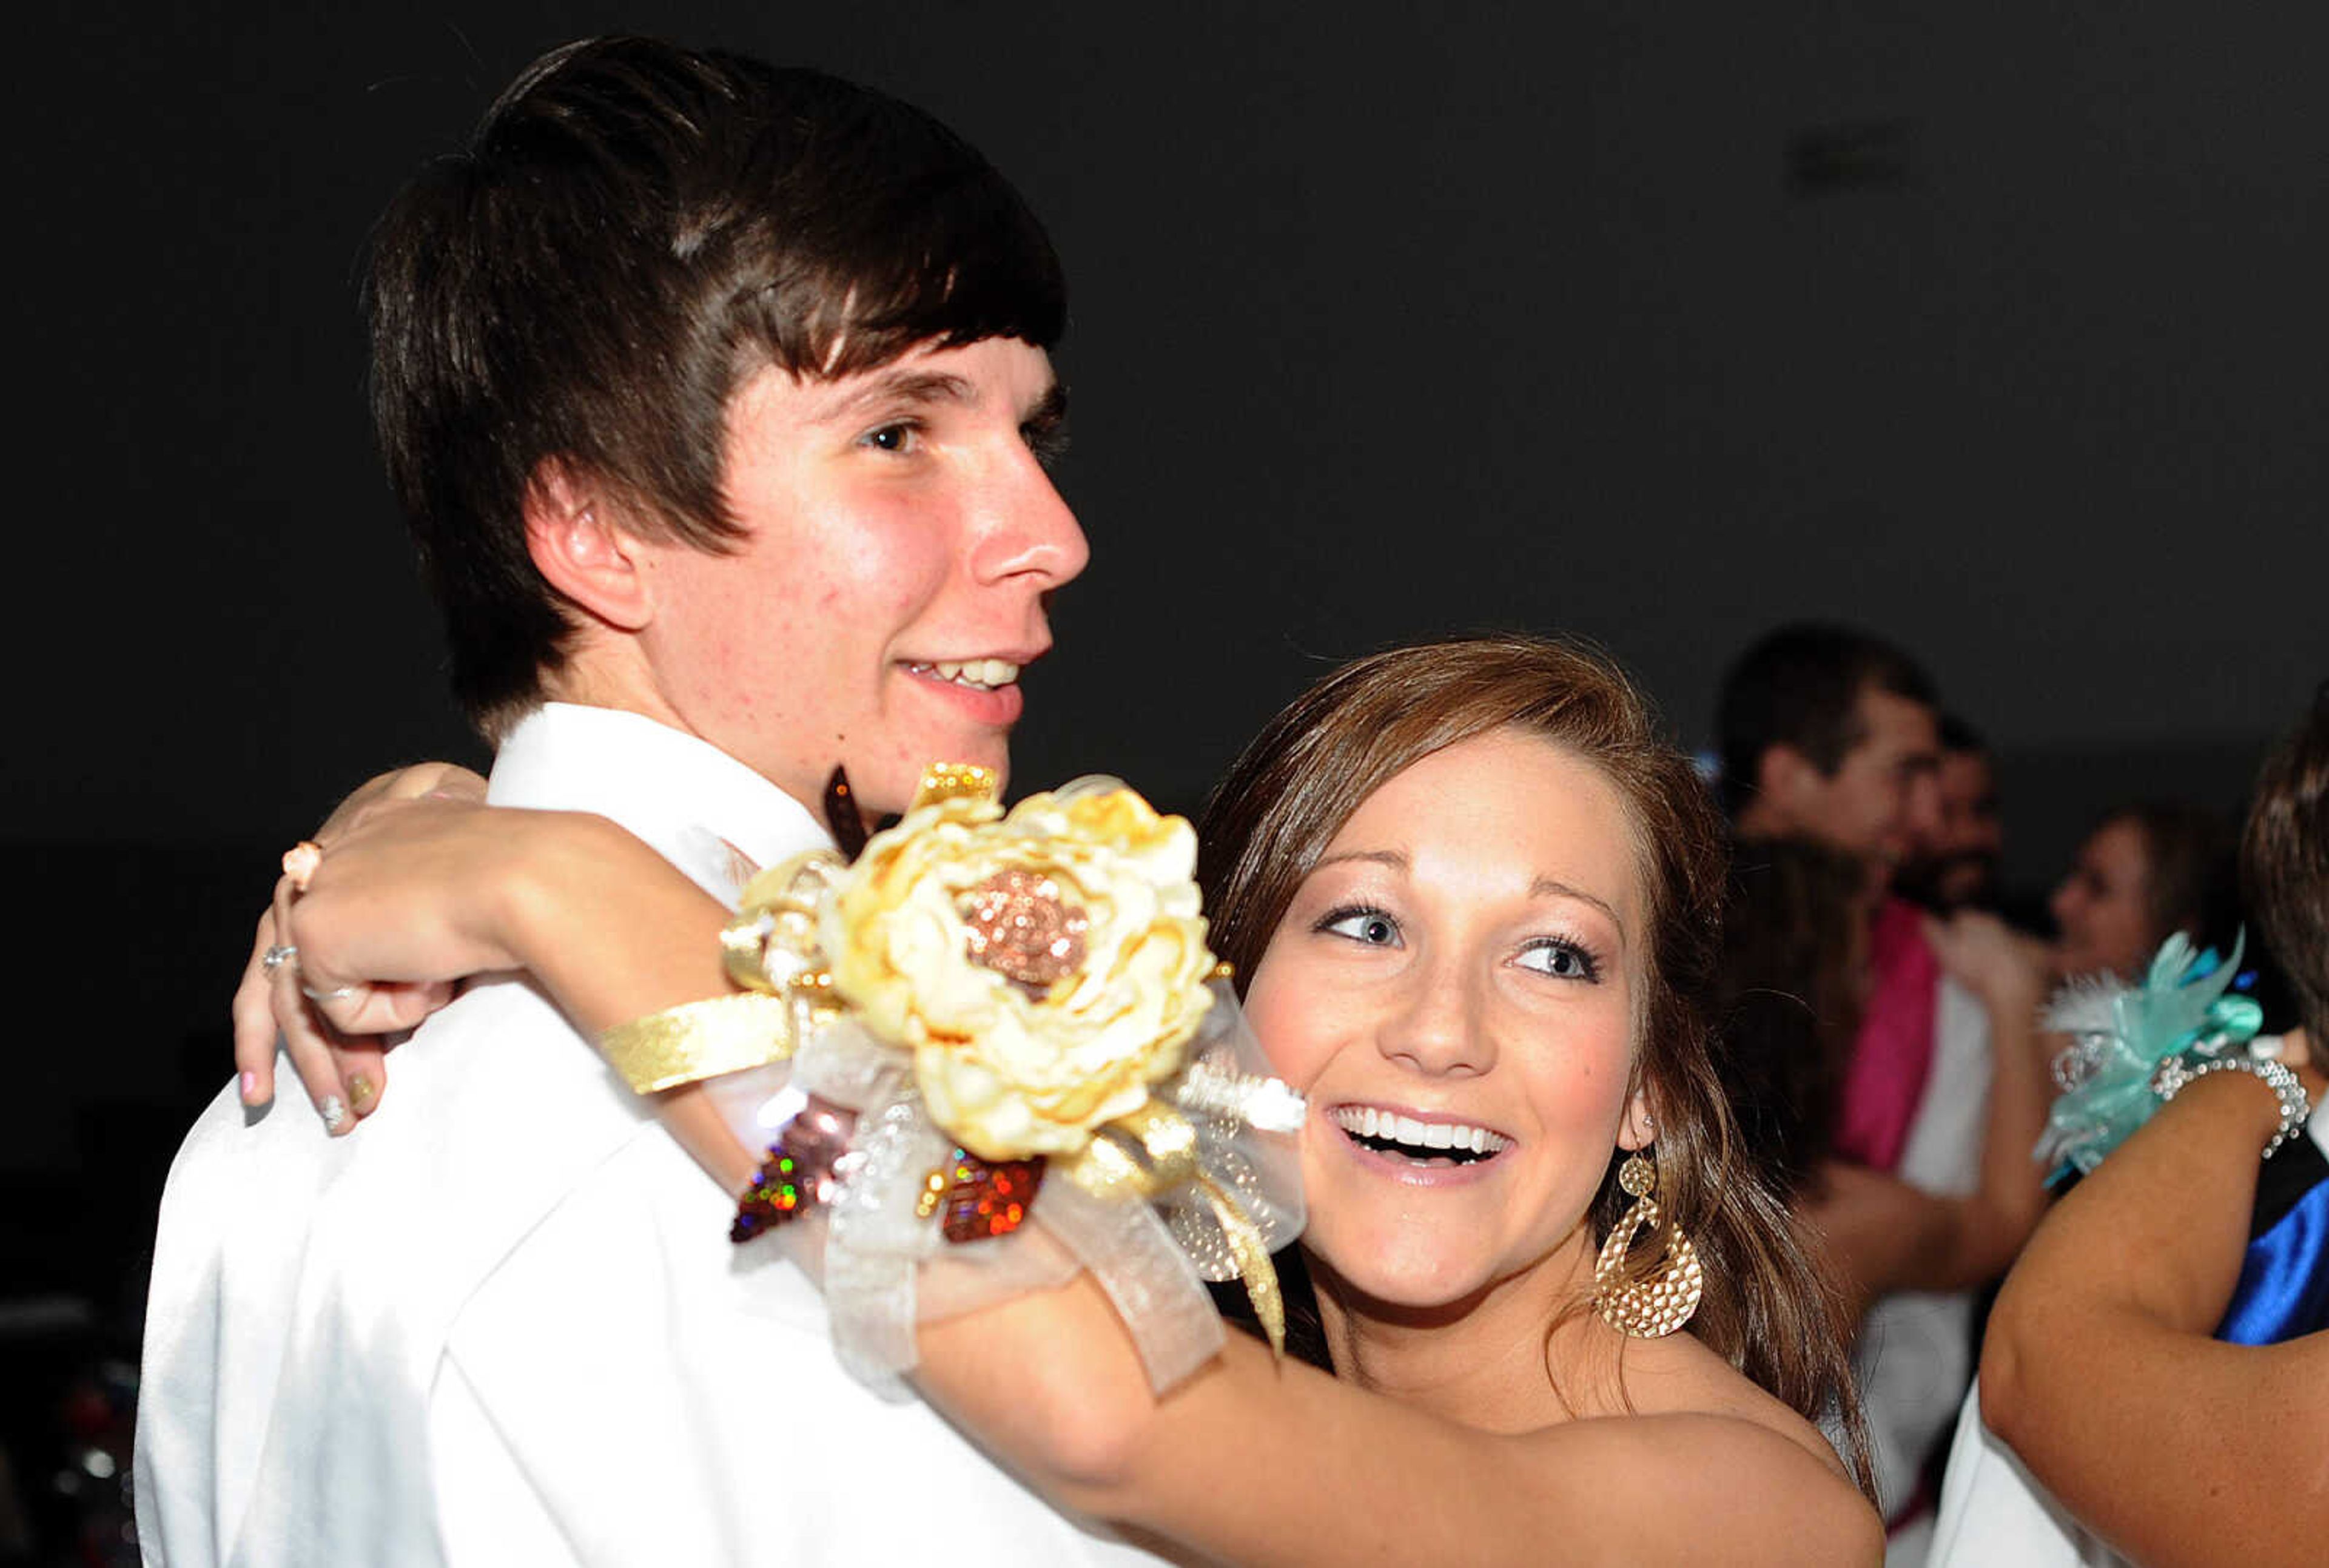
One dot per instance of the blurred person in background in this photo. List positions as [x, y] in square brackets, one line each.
[1832, 735]
[2156, 1380]
[1955, 862]
[2147, 869]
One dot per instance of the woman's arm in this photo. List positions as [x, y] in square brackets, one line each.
[441, 890]
[1251, 1460]
[1257, 1462]
[346, 1069]
[1883, 1234]
[2100, 1371]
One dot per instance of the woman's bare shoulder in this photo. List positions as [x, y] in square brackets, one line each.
[1698, 1451]
[1679, 1375]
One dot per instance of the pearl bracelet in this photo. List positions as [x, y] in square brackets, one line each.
[2174, 1074]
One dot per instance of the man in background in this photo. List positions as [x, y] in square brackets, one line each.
[1956, 862]
[1832, 735]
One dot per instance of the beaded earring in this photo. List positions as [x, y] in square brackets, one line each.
[1653, 1308]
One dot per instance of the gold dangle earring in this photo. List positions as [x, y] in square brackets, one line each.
[1653, 1308]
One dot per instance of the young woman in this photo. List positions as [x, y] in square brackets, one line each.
[2146, 871]
[2157, 1359]
[1466, 886]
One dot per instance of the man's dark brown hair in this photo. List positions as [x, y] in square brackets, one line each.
[634, 230]
[1799, 686]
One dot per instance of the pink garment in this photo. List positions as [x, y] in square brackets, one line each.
[1893, 1055]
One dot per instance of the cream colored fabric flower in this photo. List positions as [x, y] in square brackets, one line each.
[1044, 968]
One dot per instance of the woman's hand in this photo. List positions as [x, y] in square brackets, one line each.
[341, 1071]
[1989, 958]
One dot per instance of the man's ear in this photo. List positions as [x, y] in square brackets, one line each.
[1784, 779]
[575, 537]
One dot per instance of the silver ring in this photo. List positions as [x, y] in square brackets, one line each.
[280, 954]
[338, 992]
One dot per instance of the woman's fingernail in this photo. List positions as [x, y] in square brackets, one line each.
[250, 1086]
[335, 1115]
[360, 1093]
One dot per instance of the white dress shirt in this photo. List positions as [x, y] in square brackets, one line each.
[1914, 1351]
[501, 1322]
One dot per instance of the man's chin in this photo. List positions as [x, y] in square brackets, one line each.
[888, 788]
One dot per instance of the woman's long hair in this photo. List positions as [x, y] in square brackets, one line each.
[1788, 1003]
[1766, 1308]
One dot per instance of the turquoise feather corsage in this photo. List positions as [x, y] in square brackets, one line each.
[2120, 1033]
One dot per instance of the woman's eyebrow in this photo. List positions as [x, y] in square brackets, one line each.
[1553, 887]
[1395, 858]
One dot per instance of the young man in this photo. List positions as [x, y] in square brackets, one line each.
[717, 398]
[1955, 865]
[1829, 734]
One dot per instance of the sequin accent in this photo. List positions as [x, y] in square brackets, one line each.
[775, 1197]
[1023, 928]
[985, 1199]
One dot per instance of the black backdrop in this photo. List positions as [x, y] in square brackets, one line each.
[1990, 325]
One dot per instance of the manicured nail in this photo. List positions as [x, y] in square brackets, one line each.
[335, 1115]
[360, 1093]
[249, 1087]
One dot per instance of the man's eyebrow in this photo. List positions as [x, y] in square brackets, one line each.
[1553, 887]
[899, 386]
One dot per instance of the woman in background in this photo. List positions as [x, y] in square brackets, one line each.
[2146, 871]
[2159, 1358]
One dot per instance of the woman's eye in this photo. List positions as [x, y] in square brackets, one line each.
[1562, 960]
[1369, 926]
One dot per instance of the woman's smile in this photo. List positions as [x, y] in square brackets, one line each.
[1422, 1148]
[1453, 986]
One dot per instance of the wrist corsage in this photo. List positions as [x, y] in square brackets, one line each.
[1003, 1023]
[2134, 1047]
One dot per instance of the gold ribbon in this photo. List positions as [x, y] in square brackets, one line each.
[771, 950]
[1149, 1152]
[699, 1040]
[1254, 1271]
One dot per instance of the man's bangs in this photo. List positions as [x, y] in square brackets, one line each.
[971, 265]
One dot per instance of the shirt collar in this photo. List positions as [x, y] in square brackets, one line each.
[689, 800]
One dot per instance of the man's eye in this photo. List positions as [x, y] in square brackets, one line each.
[895, 437]
[1371, 926]
[1562, 960]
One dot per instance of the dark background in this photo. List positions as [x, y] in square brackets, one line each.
[1991, 326]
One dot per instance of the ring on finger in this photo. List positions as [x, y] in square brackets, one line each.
[276, 955]
[336, 993]
[299, 861]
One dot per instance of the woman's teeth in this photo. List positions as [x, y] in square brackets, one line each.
[986, 675]
[1388, 1133]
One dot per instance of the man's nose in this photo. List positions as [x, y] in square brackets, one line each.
[1032, 534]
[1924, 807]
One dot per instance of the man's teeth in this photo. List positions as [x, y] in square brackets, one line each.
[984, 673]
[1424, 1139]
